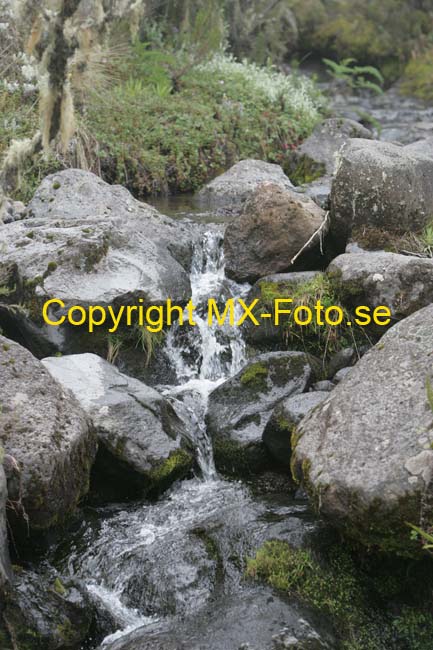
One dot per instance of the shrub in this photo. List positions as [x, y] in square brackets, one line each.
[418, 77]
[222, 111]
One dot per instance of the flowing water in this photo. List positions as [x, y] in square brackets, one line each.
[148, 567]
[171, 572]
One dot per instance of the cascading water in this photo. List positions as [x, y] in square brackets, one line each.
[219, 352]
[150, 565]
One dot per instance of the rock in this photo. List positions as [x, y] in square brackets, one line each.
[383, 186]
[273, 227]
[240, 408]
[230, 190]
[5, 565]
[143, 438]
[286, 415]
[365, 454]
[341, 374]
[46, 611]
[267, 289]
[86, 242]
[48, 440]
[341, 359]
[401, 282]
[318, 190]
[284, 418]
[13, 211]
[323, 386]
[318, 154]
[231, 623]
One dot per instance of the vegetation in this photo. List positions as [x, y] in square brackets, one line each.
[382, 33]
[418, 76]
[355, 77]
[353, 594]
[319, 340]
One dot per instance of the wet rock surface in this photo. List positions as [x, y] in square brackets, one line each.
[49, 442]
[144, 437]
[253, 619]
[365, 455]
[240, 408]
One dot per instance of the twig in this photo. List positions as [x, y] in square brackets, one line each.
[320, 231]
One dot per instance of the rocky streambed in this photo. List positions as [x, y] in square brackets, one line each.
[224, 487]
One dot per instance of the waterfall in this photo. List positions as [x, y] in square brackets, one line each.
[204, 355]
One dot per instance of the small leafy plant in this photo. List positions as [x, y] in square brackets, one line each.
[355, 77]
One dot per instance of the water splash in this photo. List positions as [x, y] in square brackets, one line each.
[205, 355]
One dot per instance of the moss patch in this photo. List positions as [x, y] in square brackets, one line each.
[255, 376]
[176, 466]
[352, 594]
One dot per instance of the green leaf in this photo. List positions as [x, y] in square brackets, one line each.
[422, 533]
[372, 71]
[369, 85]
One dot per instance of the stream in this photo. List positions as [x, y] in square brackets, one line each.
[170, 574]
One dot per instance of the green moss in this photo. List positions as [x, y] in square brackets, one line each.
[59, 587]
[255, 376]
[236, 460]
[306, 171]
[178, 464]
[346, 593]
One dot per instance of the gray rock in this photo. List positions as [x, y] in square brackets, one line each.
[86, 242]
[230, 190]
[284, 418]
[341, 374]
[240, 408]
[137, 426]
[274, 226]
[323, 386]
[401, 282]
[365, 454]
[233, 622]
[318, 190]
[46, 611]
[5, 565]
[48, 440]
[13, 211]
[381, 185]
[317, 155]
[341, 359]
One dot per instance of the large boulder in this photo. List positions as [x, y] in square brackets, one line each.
[400, 282]
[47, 438]
[5, 566]
[365, 454]
[229, 191]
[318, 154]
[285, 416]
[88, 243]
[382, 186]
[240, 408]
[276, 223]
[143, 439]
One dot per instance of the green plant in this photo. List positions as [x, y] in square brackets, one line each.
[355, 77]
